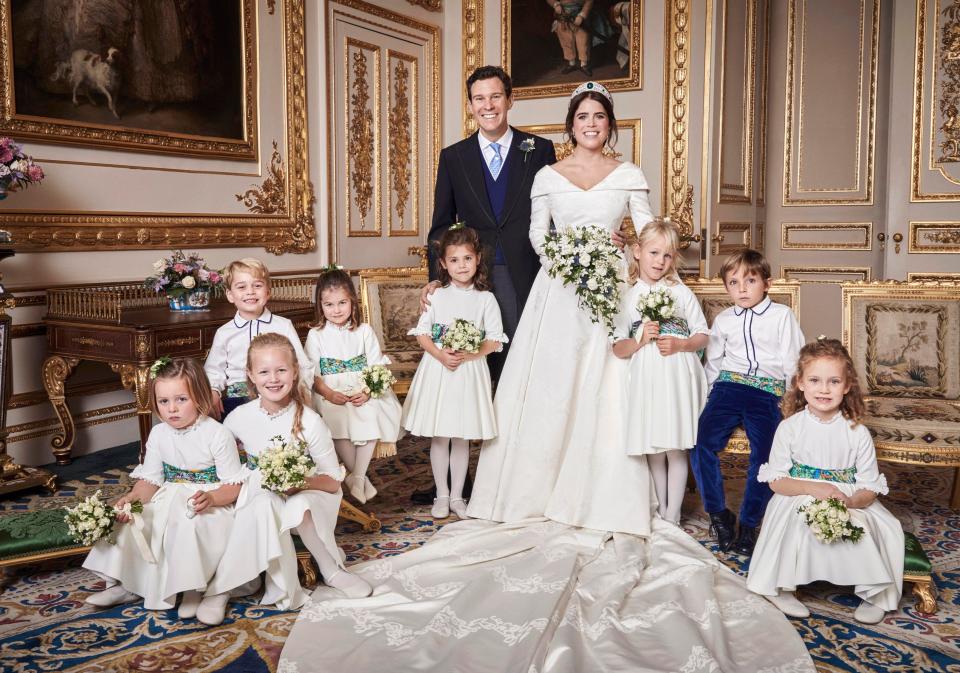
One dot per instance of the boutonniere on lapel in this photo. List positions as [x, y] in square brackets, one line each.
[526, 147]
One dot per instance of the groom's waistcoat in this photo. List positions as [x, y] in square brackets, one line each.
[496, 189]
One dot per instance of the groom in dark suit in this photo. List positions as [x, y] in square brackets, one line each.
[484, 181]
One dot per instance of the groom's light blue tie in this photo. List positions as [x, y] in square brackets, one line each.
[496, 163]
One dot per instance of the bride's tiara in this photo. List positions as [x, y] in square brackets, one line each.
[592, 86]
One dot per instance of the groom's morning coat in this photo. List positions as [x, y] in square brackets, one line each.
[461, 194]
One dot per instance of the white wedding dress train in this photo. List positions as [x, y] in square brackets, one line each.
[564, 570]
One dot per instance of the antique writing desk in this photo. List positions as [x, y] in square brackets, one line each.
[128, 327]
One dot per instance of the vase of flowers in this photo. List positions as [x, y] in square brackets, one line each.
[17, 170]
[186, 280]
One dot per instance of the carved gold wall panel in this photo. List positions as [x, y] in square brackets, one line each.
[738, 71]
[472, 22]
[826, 236]
[736, 236]
[935, 169]
[383, 141]
[934, 237]
[830, 275]
[628, 148]
[831, 103]
[925, 277]
[172, 217]
[764, 93]
[676, 112]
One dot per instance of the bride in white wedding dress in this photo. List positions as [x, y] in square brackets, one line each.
[563, 569]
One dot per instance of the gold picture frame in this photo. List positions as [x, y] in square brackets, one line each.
[541, 42]
[185, 118]
[280, 215]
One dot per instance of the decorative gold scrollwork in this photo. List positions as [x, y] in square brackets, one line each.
[268, 198]
[949, 85]
[429, 5]
[135, 378]
[361, 138]
[400, 137]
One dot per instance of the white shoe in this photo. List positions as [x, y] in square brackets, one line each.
[351, 585]
[868, 613]
[356, 487]
[114, 595]
[212, 609]
[188, 604]
[441, 507]
[459, 507]
[369, 490]
[789, 604]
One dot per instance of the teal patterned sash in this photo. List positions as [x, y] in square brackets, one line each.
[671, 327]
[251, 461]
[437, 331]
[768, 385]
[335, 366]
[179, 475]
[238, 390]
[846, 475]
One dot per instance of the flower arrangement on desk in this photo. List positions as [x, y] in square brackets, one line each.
[185, 279]
[17, 170]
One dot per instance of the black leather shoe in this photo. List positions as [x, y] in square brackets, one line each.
[586, 70]
[568, 68]
[746, 540]
[424, 497]
[723, 525]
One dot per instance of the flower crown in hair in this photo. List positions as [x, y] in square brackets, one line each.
[331, 267]
[596, 87]
[158, 366]
[459, 224]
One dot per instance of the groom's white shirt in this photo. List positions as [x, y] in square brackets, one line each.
[503, 141]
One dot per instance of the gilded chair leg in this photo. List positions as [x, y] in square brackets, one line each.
[307, 571]
[955, 494]
[926, 597]
[370, 523]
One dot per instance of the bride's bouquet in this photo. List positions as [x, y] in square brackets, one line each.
[377, 379]
[462, 336]
[92, 520]
[657, 305]
[830, 521]
[284, 465]
[587, 260]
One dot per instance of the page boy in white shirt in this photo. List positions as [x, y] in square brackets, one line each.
[751, 357]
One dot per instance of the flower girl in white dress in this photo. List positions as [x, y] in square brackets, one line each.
[450, 395]
[342, 346]
[264, 519]
[822, 451]
[668, 387]
[188, 481]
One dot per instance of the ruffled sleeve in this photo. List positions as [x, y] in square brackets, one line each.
[320, 447]
[225, 455]
[492, 322]
[692, 311]
[371, 346]
[151, 469]
[425, 323]
[869, 476]
[779, 463]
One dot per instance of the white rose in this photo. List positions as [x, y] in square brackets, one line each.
[592, 285]
[585, 259]
[188, 282]
[667, 311]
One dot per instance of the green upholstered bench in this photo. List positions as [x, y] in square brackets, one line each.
[917, 570]
[39, 535]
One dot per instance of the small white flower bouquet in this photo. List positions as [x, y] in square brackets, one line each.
[377, 379]
[462, 336]
[657, 305]
[586, 259]
[92, 520]
[284, 466]
[830, 521]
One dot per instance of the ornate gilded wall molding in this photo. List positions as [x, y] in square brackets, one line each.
[738, 188]
[269, 197]
[934, 237]
[742, 232]
[472, 22]
[362, 133]
[860, 235]
[676, 102]
[429, 5]
[843, 274]
[293, 231]
[403, 144]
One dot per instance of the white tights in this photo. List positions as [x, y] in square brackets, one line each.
[356, 457]
[328, 565]
[669, 470]
[457, 458]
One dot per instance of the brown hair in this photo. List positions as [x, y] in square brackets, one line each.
[607, 107]
[752, 261]
[656, 227]
[462, 236]
[299, 393]
[250, 265]
[489, 72]
[197, 383]
[852, 406]
[333, 279]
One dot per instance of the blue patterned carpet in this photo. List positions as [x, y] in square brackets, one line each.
[45, 626]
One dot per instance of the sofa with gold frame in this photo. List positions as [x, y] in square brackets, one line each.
[713, 299]
[904, 338]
